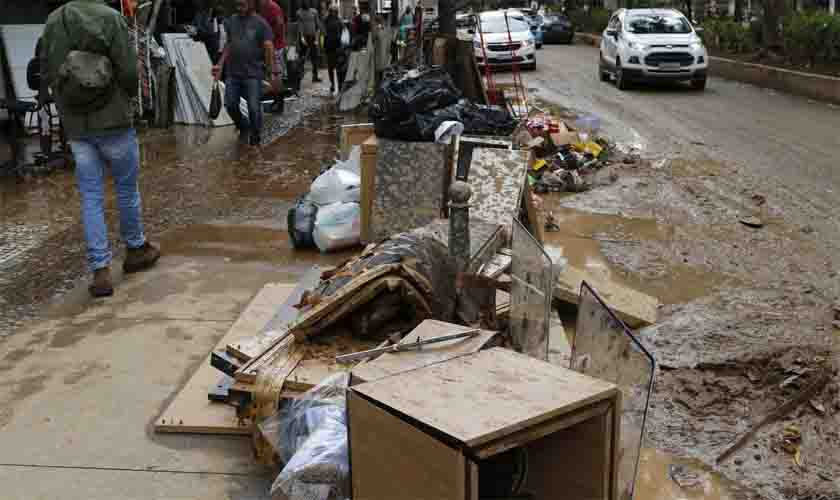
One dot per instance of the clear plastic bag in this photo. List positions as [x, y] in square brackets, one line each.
[310, 436]
[338, 225]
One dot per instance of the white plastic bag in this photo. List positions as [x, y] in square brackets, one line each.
[337, 226]
[345, 37]
[336, 185]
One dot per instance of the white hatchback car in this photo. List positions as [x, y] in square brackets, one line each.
[506, 41]
[652, 44]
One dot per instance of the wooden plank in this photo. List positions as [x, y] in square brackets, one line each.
[392, 459]
[393, 363]
[368, 176]
[319, 359]
[248, 348]
[634, 308]
[353, 135]
[191, 411]
[478, 398]
[572, 463]
[281, 349]
[526, 436]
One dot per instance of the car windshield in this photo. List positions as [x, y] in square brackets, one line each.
[657, 24]
[496, 24]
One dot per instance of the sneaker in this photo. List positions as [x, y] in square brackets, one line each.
[102, 286]
[140, 259]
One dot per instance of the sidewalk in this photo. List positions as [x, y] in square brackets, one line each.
[81, 389]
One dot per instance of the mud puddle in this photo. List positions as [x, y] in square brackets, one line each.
[583, 236]
[662, 476]
[245, 243]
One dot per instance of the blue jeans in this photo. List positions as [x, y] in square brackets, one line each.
[120, 151]
[251, 90]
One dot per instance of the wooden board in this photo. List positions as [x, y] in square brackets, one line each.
[191, 411]
[478, 398]
[368, 168]
[634, 308]
[319, 359]
[250, 347]
[353, 135]
[393, 363]
[391, 459]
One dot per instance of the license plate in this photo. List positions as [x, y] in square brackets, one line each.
[669, 66]
[504, 55]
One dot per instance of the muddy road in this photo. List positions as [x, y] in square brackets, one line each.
[747, 320]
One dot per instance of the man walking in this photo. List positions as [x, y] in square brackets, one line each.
[276, 19]
[92, 68]
[248, 52]
[333, 26]
[310, 27]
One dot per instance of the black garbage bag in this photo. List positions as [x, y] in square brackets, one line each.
[402, 93]
[215, 101]
[477, 120]
[301, 223]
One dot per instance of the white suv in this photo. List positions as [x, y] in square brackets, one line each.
[652, 44]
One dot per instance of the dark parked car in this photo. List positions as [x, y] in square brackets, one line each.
[557, 29]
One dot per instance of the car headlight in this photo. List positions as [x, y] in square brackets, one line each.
[527, 43]
[637, 46]
[696, 46]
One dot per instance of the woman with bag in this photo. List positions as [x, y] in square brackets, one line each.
[333, 28]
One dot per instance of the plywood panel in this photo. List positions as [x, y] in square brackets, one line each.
[368, 168]
[481, 397]
[391, 459]
[393, 363]
[634, 308]
[191, 411]
[555, 472]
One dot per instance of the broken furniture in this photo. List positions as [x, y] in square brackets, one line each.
[466, 427]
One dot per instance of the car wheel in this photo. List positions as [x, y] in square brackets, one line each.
[699, 84]
[620, 80]
[531, 67]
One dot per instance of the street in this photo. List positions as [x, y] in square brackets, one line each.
[742, 304]
[745, 322]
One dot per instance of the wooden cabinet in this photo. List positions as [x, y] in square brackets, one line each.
[430, 433]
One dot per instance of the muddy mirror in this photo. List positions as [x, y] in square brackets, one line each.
[606, 349]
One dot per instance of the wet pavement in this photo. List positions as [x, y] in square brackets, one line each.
[191, 175]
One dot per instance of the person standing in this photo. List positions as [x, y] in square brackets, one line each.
[207, 30]
[92, 68]
[276, 19]
[333, 26]
[310, 28]
[406, 23]
[248, 52]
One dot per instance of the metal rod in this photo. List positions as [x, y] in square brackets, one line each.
[346, 358]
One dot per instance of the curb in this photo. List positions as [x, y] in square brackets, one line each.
[821, 87]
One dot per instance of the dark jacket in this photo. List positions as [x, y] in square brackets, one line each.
[332, 33]
[91, 26]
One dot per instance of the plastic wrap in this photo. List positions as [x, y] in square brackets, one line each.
[301, 222]
[310, 437]
[337, 225]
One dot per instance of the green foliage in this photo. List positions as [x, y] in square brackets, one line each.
[812, 36]
[729, 36]
[594, 21]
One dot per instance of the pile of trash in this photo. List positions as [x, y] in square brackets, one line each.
[328, 216]
[410, 105]
[566, 155]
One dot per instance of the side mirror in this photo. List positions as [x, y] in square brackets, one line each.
[613, 33]
[471, 31]
[699, 30]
